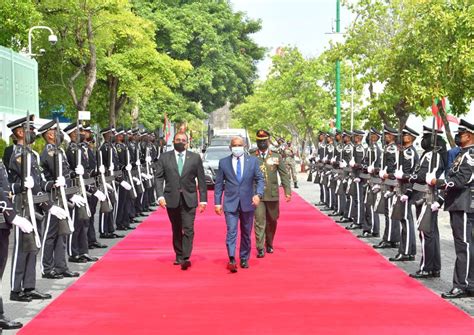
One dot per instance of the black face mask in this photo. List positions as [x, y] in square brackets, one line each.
[82, 137]
[179, 147]
[426, 143]
[30, 137]
[262, 145]
[457, 140]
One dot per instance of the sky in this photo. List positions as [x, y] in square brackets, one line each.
[305, 24]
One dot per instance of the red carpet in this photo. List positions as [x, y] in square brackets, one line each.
[320, 280]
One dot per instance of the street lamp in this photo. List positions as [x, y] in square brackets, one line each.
[53, 39]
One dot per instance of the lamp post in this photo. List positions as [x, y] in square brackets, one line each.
[338, 70]
[52, 38]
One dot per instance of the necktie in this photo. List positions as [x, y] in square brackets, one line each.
[180, 163]
[238, 173]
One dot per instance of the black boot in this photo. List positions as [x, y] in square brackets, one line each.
[296, 185]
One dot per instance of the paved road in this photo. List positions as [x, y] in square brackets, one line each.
[310, 192]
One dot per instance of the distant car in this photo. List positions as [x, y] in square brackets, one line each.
[219, 141]
[210, 162]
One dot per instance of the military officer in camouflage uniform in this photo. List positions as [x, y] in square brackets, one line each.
[267, 212]
[289, 157]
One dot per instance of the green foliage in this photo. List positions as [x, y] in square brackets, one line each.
[3, 145]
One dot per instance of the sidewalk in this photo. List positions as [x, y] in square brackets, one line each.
[310, 192]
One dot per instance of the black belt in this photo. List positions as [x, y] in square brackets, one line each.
[364, 176]
[390, 182]
[376, 180]
[72, 190]
[89, 181]
[40, 198]
[109, 178]
[420, 188]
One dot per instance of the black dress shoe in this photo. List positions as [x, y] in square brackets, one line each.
[9, 324]
[354, 226]
[402, 258]
[344, 220]
[89, 258]
[269, 250]
[107, 236]
[178, 262]
[260, 253]
[19, 296]
[117, 235]
[130, 228]
[333, 214]
[232, 267]
[70, 274]
[421, 274]
[244, 264]
[394, 245]
[185, 264]
[375, 235]
[455, 293]
[98, 245]
[435, 274]
[382, 245]
[35, 295]
[121, 228]
[77, 259]
[52, 275]
[365, 234]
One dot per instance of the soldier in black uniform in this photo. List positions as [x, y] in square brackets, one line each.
[459, 201]
[23, 278]
[357, 186]
[407, 161]
[8, 218]
[347, 152]
[427, 201]
[124, 200]
[56, 224]
[321, 153]
[337, 175]
[371, 225]
[391, 235]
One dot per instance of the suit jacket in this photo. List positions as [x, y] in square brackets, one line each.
[171, 185]
[235, 193]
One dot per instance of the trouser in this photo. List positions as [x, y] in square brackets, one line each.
[291, 168]
[53, 252]
[232, 220]
[23, 273]
[358, 214]
[430, 244]
[91, 234]
[123, 208]
[4, 240]
[77, 242]
[266, 216]
[461, 225]
[408, 240]
[392, 227]
[372, 221]
[182, 224]
[332, 195]
[348, 207]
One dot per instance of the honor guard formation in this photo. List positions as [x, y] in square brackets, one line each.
[361, 181]
[50, 198]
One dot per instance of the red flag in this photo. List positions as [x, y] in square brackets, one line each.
[446, 108]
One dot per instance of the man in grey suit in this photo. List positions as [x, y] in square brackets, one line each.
[176, 174]
[241, 181]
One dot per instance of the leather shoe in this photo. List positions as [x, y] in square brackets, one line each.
[130, 228]
[244, 264]
[354, 226]
[260, 253]
[365, 234]
[454, 294]
[375, 235]
[70, 274]
[344, 220]
[177, 262]
[9, 324]
[107, 236]
[98, 245]
[89, 258]
[52, 275]
[435, 274]
[35, 295]
[401, 258]
[19, 296]
[121, 228]
[333, 214]
[116, 235]
[232, 267]
[77, 259]
[270, 250]
[421, 274]
[185, 264]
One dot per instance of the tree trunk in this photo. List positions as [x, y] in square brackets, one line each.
[401, 113]
[135, 114]
[90, 69]
[112, 85]
[449, 135]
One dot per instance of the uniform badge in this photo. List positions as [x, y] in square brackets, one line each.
[18, 159]
[51, 153]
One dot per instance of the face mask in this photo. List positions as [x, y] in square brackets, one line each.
[237, 151]
[82, 137]
[262, 145]
[457, 140]
[426, 143]
[179, 147]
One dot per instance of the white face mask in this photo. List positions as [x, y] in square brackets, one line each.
[237, 151]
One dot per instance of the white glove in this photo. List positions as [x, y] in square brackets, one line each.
[109, 187]
[352, 162]
[100, 195]
[102, 169]
[126, 185]
[399, 174]
[79, 170]
[111, 167]
[78, 200]
[60, 182]
[29, 182]
[435, 206]
[370, 169]
[342, 164]
[382, 173]
[136, 180]
[429, 178]
[404, 198]
[318, 160]
[58, 212]
[356, 180]
[333, 160]
[22, 223]
[138, 162]
[148, 159]
[128, 167]
[376, 188]
[387, 194]
[146, 176]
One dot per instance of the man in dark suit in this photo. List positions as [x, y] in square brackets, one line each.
[176, 174]
[244, 187]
